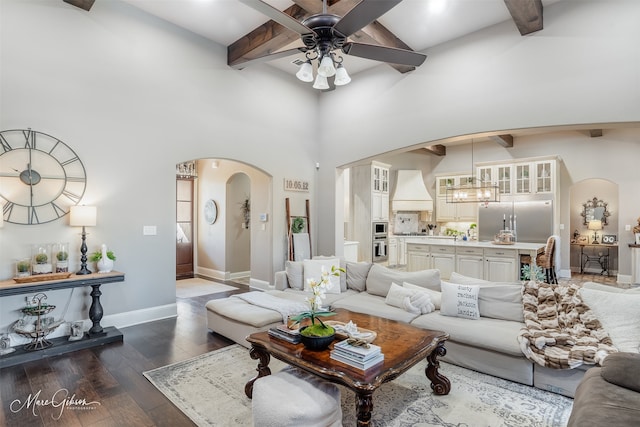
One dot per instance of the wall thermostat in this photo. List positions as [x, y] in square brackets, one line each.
[264, 217]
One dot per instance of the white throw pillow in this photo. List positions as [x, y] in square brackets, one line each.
[313, 270]
[460, 300]
[409, 300]
[436, 297]
[619, 314]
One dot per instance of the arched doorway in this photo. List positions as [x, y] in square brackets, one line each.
[233, 246]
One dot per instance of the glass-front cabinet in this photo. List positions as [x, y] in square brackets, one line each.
[526, 176]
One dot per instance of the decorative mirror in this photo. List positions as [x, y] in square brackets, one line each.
[595, 209]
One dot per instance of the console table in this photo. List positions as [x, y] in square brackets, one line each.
[600, 257]
[97, 335]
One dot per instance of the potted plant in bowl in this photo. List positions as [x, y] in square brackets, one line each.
[317, 336]
[104, 259]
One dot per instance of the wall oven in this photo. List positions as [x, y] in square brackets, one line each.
[380, 243]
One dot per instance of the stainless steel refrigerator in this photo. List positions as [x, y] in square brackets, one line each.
[532, 220]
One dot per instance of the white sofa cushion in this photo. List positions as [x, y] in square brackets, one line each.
[460, 300]
[619, 314]
[356, 275]
[364, 302]
[380, 278]
[342, 264]
[485, 333]
[499, 300]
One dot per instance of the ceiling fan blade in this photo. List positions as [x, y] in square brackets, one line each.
[385, 54]
[363, 14]
[277, 16]
[240, 65]
[82, 4]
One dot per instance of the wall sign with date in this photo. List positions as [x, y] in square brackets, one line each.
[296, 185]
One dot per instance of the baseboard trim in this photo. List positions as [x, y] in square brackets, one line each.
[136, 317]
[212, 274]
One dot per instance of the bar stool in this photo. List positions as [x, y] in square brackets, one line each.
[546, 260]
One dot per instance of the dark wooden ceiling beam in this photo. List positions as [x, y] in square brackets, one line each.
[437, 149]
[264, 40]
[271, 37]
[82, 4]
[503, 140]
[527, 15]
[595, 133]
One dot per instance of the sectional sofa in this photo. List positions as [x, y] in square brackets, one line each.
[483, 338]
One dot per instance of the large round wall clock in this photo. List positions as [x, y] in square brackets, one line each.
[41, 177]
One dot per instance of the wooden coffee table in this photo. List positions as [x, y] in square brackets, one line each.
[403, 346]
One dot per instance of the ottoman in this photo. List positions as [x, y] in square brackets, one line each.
[295, 398]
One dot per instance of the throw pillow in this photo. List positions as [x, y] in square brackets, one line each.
[380, 278]
[357, 275]
[313, 270]
[460, 300]
[498, 300]
[436, 297]
[343, 265]
[619, 315]
[295, 276]
[409, 300]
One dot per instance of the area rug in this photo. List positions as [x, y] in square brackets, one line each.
[209, 389]
[189, 288]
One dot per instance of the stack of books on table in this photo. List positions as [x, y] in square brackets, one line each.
[357, 356]
[284, 333]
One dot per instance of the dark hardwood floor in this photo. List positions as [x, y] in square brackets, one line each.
[111, 375]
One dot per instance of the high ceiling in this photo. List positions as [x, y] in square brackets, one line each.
[416, 24]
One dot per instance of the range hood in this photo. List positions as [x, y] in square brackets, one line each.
[410, 193]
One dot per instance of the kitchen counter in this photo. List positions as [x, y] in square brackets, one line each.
[429, 240]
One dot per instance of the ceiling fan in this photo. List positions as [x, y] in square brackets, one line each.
[323, 33]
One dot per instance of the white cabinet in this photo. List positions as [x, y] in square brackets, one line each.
[501, 265]
[402, 251]
[380, 192]
[470, 262]
[445, 212]
[351, 251]
[393, 252]
[443, 258]
[522, 177]
[369, 203]
[418, 257]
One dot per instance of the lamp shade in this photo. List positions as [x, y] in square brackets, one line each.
[82, 216]
[305, 73]
[321, 82]
[342, 77]
[595, 224]
[326, 68]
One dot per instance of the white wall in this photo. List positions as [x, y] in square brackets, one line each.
[582, 68]
[134, 96]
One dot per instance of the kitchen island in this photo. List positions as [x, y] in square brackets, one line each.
[482, 260]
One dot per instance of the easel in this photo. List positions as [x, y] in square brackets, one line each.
[290, 233]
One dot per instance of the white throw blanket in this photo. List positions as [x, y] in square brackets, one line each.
[283, 306]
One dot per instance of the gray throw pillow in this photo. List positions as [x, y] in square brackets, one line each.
[295, 274]
[357, 275]
[380, 278]
[498, 300]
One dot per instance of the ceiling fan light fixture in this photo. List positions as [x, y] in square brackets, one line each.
[321, 82]
[342, 77]
[326, 68]
[305, 73]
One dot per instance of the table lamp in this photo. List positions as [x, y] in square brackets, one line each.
[595, 225]
[83, 216]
